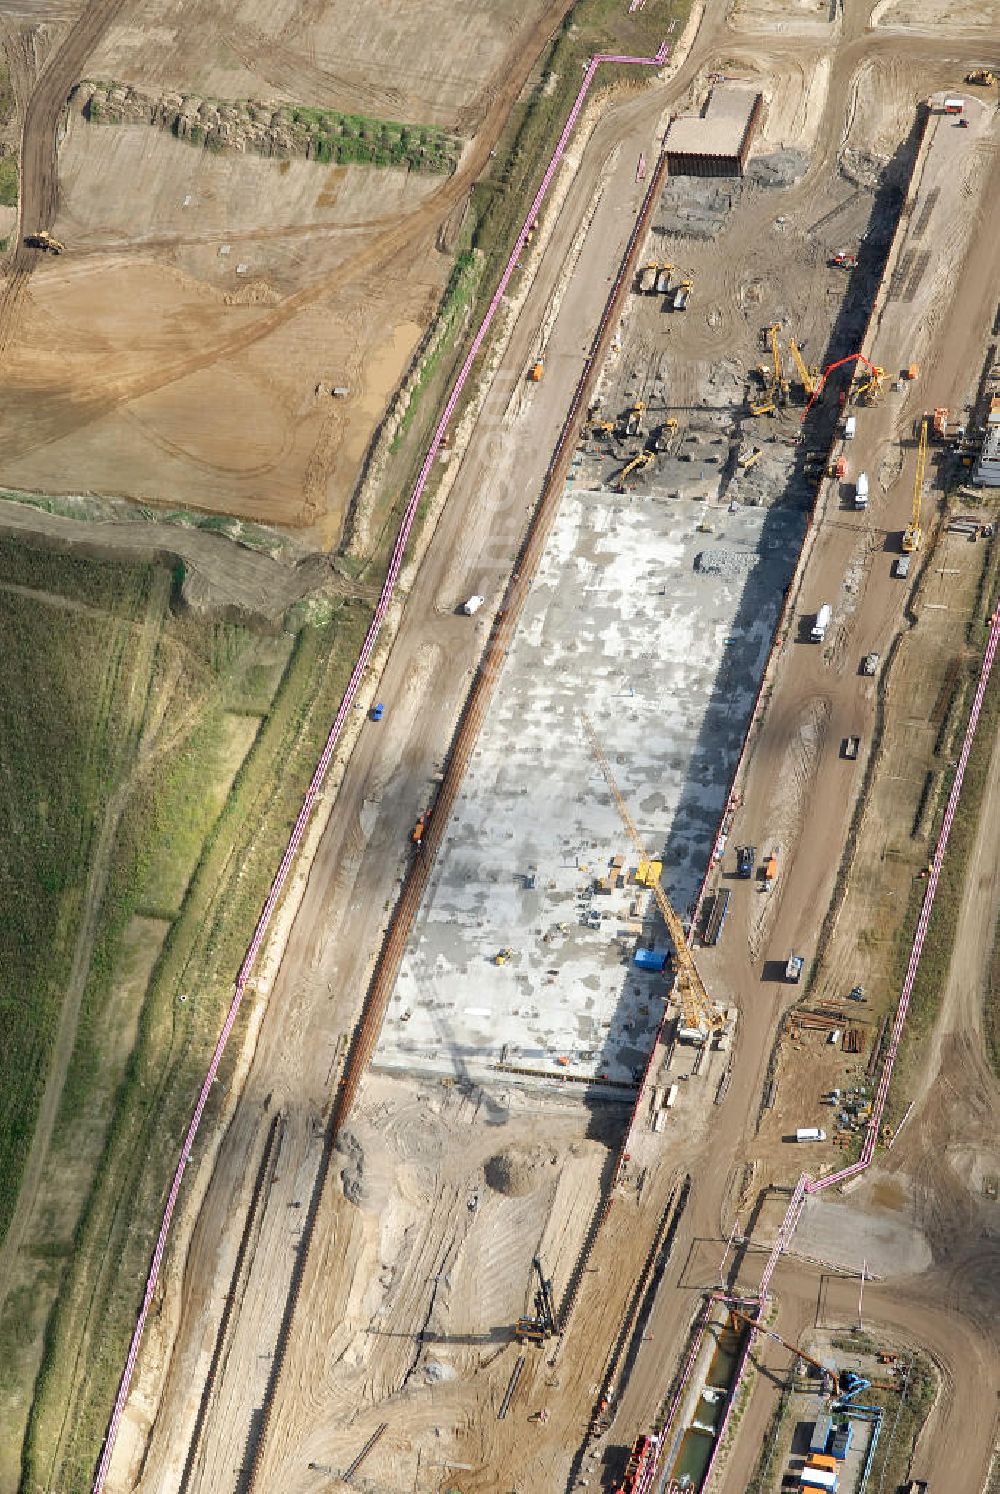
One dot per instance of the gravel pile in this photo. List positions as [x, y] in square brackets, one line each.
[731, 565]
[782, 168]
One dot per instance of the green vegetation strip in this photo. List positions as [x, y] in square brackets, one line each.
[279, 130]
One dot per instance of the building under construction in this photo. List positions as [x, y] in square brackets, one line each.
[717, 141]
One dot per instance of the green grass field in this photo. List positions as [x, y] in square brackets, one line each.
[183, 747]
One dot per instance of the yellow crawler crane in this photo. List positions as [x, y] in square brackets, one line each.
[780, 388]
[913, 535]
[809, 378]
[700, 1016]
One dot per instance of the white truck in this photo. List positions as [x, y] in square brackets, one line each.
[821, 624]
[861, 491]
[850, 427]
[810, 1133]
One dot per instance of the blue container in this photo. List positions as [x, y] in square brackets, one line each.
[377, 712]
[650, 959]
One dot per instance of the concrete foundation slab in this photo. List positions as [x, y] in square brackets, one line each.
[520, 958]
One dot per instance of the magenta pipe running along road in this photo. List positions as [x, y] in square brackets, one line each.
[806, 1185]
[322, 767]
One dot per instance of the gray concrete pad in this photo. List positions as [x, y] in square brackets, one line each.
[887, 1245]
[664, 654]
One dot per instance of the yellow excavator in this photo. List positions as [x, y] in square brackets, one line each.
[868, 392]
[637, 464]
[809, 377]
[913, 534]
[701, 1017]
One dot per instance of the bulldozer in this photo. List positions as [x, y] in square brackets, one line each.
[981, 77]
[44, 241]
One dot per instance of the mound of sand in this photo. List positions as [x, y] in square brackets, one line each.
[519, 1170]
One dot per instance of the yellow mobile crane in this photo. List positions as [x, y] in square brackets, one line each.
[808, 378]
[913, 534]
[700, 1016]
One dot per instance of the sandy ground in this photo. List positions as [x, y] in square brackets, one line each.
[426, 63]
[815, 702]
[184, 348]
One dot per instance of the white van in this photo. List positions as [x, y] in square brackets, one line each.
[861, 491]
[821, 624]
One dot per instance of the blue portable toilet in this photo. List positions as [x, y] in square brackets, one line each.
[821, 1435]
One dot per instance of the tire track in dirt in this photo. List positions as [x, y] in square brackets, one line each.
[38, 196]
[40, 200]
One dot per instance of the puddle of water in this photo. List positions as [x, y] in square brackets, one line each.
[723, 1365]
[692, 1459]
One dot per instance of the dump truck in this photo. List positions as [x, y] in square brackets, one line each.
[850, 748]
[746, 857]
[682, 295]
[663, 280]
[794, 968]
[647, 278]
[771, 870]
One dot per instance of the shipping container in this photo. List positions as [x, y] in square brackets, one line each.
[821, 1435]
[650, 959]
[817, 1478]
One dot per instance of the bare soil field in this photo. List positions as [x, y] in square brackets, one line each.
[426, 62]
[185, 347]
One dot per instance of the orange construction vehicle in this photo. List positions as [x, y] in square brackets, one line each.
[419, 829]
[537, 369]
[939, 423]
